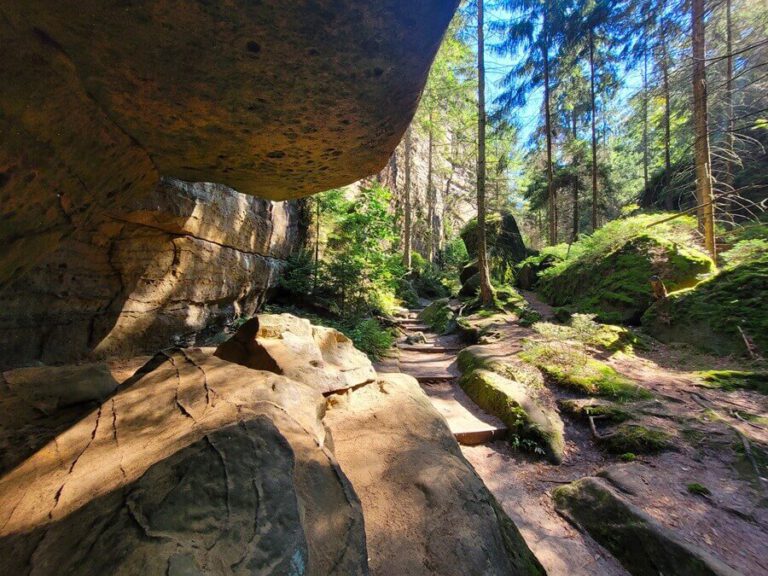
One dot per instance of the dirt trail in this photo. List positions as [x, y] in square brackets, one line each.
[518, 483]
[708, 427]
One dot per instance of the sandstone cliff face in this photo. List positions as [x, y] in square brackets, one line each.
[155, 271]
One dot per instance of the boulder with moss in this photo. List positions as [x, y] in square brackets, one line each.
[505, 243]
[513, 404]
[643, 545]
[439, 316]
[719, 313]
[613, 282]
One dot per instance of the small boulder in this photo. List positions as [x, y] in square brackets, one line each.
[49, 388]
[284, 344]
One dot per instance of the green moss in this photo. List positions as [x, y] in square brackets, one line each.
[510, 402]
[628, 457]
[572, 368]
[711, 315]
[611, 277]
[583, 328]
[730, 380]
[476, 357]
[698, 489]
[605, 410]
[438, 316]
[637, 439]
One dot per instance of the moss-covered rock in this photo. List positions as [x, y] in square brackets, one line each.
[710, 315]
[439, 316]
[583, 328]
[571, 367]
[505, 243]
[635, 438]
[583, 409]
[512, 403]
[527, 272]
[615, 285]
[471, 287]
[638, 541]
[486, 358]
[729, 380]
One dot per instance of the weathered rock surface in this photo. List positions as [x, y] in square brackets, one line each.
[279, 99]
[158, 270]
[48, 388]
[640, 543]
[320, 357]
[503, 238]
[426, 510]
[197, 466]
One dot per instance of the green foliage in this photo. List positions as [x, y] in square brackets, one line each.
[637, 439]
[571, 367]
[698, 489]
[583, 328]
[608, 273]
[711, 315]
[297, 278]
[730, 380]
[628, 457]
[439, 316]
[744, 251]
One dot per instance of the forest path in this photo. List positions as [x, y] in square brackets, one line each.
[518, 482]
[431, 359]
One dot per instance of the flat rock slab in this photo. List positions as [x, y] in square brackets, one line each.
[432, 366]
[195, 466]
[469, 424]
[426, 510]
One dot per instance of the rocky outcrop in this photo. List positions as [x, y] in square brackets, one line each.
[156, 271]
[196, 466]
[274, 98]
[317, 356]
[639, 542]
[426, 510]
[721, 314]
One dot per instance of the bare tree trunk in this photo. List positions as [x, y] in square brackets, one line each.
[486, 291]
[407, 203]
[706, 209]
[730, 135]
[551, 199]
[317, 243]
[430, 198]
[668, 199]
[594, 131]
[645, 113]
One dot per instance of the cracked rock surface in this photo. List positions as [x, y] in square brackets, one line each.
[196, 466]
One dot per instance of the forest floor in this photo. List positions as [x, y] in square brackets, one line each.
[709, 429]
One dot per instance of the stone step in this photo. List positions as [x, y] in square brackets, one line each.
[480, 436]
[429, 348]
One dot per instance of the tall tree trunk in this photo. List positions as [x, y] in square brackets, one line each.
[645, 113]
[730, 135]
[668, 198]
[430, 198]
[706, 208]
[551, 199]
[407, 203]
[486, 291]
[594, 129]
[317, 244]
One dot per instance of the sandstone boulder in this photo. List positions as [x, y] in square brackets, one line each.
[277, 99]
[197, 466]
[426, 510]
[284, 344]
[48, 388]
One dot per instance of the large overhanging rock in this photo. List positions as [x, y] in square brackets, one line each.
[277, 98]
[195, 466]
[318, 356]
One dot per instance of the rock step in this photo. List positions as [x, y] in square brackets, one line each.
[469, 424]
[429, 349]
